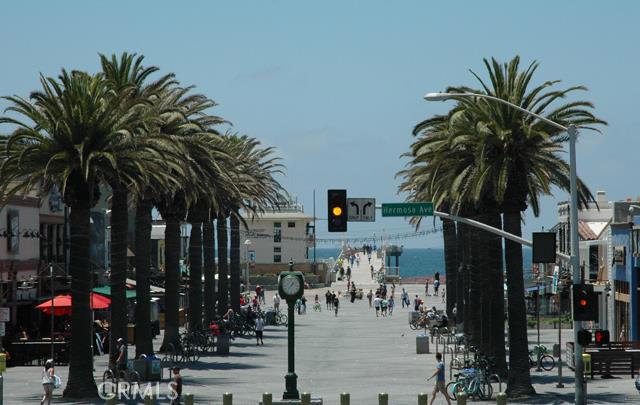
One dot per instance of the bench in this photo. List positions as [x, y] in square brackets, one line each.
[613, 362]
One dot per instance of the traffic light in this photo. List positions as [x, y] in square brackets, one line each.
[601, 337]
[337, 206]
[584, 337]
[585, 303]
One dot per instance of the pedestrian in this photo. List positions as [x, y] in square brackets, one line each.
[436, 285]
[176, 386]
[276, 302]
[426, 288]
[416, 303]
[383, 307]
[121, 361]
[327, 297]
[371, 272]
[336, 305]
[443, 292]
[440, 380]
[370, 297]
[348, 273]
[259, 330]
[353, 293]
[304, 304]
[436, 277]
[48, 381]
[390, 305]
[376, 304]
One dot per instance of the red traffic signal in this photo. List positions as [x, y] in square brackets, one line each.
[585, 303]
[601, 337]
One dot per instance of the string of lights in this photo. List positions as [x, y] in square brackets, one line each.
[352, 240]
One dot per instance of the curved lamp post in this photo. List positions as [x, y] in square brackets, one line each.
[580, 397]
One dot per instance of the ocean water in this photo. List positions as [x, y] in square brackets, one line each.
[419, 262]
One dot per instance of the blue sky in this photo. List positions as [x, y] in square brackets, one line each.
[337, 86]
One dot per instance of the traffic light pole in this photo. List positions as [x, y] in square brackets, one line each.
[580, 398]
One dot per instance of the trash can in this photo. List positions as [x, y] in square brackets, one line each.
[140, 365]
[586, 360]
[154, 368]
[222, 346]
[422, 343]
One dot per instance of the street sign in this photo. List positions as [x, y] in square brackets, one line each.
[423, 209]
[361, 209]
[4, 315]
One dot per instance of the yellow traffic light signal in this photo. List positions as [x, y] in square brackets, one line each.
[337, 211]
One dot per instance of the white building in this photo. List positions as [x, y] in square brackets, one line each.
[278, 236]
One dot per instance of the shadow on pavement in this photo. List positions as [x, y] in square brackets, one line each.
[222, 366]
[596, 398]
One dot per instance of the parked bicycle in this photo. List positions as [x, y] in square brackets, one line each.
[539, 355]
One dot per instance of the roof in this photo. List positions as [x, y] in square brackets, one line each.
[279, 215]
[106, 290]
[591, 230]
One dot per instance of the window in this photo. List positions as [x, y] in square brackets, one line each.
[13, 228]
[277, 232]
[291, 224]
[277, 249]
[277, 259]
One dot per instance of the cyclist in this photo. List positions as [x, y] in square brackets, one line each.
[440, 381]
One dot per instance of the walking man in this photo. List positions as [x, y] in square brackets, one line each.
[336, 304]
[440, 381]
[259, 330]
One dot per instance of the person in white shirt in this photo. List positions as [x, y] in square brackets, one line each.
[259, 330]
[276, 302]
[376, 304]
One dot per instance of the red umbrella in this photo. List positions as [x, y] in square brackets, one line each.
[62, 304]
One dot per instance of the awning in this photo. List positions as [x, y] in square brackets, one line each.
[106, 291]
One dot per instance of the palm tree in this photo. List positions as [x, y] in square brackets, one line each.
[258, 190]
[142, 164]
[518, 160]
[69, 139]
[209, 268]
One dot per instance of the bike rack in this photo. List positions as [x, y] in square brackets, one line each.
[497, 377]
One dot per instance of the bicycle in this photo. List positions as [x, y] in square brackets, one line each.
[546, 362]
[114, 376]
[472, 382]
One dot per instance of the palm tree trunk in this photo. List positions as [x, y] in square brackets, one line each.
[144, 342]
[223, 282]
[465, 267]
[119, 228]
[475, 271]
[450, 263]
[460, 287]
[172, 280]
[81, 383]
[234, 259]
[519, 381]
[208, 242]
[195, 270]
[492, 299]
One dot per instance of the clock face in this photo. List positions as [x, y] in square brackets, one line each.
[291, 285]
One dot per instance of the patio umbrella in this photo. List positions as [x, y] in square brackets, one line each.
[62, 304]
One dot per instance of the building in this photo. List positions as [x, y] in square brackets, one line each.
[31, 243]
[277, 236]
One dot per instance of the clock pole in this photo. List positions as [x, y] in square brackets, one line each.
[291, 379]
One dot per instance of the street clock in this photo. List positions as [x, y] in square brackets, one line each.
[291, 285]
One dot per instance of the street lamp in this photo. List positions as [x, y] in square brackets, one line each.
[247, 243]
[580, 398]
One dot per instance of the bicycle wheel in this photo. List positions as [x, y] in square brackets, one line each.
[547, 362]
[457, 388]
[484, 389]
[108, 375]
[532, 363]
[450, 388]
[414, 325]
[133, 377]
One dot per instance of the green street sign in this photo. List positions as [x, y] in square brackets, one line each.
[424, 209]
